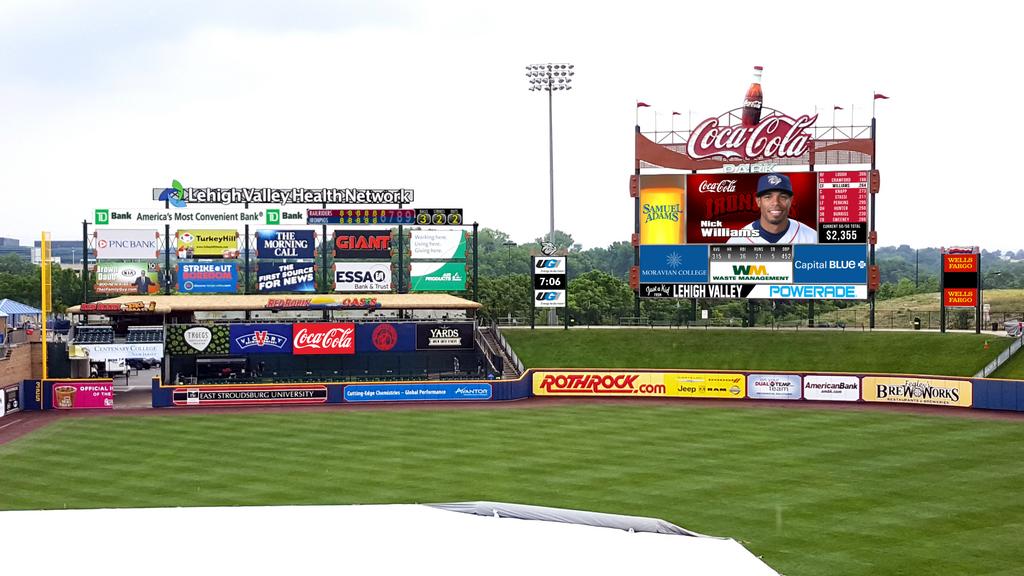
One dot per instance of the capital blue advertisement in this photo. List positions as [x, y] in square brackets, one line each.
[280, 277]
[221, 277]
[417, 391]
[830, 264]
[285, 244]
[260, 338]
[385, 337]
[678, 263]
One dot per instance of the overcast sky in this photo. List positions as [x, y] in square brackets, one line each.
[104, 100]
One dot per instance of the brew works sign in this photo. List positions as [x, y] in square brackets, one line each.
[448, 336]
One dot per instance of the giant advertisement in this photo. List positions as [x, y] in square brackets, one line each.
[117, 277]
[207, 244]
[438, 277]
[444, 336]
[208, 277]
[127, 244]
[81, 394]
[918, 390]
[438, 244]
[417, 392]
[280, 277]
[362, 276]
[297, 244]
[362, 244]
[653, 384]
[260, 338]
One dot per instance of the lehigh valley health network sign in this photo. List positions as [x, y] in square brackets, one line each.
[286, 196]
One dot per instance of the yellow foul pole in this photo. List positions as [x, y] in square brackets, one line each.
[44, 253]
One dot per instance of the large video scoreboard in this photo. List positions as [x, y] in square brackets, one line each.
[712, 236]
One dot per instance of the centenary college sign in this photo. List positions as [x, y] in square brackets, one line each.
[774, 137]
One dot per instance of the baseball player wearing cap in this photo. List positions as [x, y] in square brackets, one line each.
[774, 197]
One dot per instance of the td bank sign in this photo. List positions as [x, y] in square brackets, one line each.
[268, 216]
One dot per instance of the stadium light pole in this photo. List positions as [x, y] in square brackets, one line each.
[549, 78]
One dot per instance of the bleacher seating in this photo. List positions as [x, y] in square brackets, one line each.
[145, 334]
[94, 335]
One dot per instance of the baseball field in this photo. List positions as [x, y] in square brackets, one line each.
[812, 490]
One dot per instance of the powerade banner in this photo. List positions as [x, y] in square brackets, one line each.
[830, 264]
[207, 244]
[438, 244]
[674, 263]
[430, 336]
[406, 392]
[362, 244]
[260, 338]
[285, 244]
[438, 277]
[116, 277]
[207, 277]
[385, 337]
[279, 277]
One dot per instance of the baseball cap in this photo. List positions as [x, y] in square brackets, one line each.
[774, 181]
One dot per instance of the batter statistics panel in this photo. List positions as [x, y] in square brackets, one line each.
[735, 253]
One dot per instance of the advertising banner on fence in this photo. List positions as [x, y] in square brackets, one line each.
[438, 244]
[447, 336]
[438, 277]
[116, 277]
[9, 400]
[324, 338]
[207, 277]
[82, 394]
[774, 386]
[385, 337]
[915, 390]
[104, 352]
[837, 388]
[417, 391]
[207, 244]
[279, 277]
[362, 276]
[249, 395]
[260, 338]
[704, 385]
[127, 244]
[187, 339]
[285, 244]
[362, 244]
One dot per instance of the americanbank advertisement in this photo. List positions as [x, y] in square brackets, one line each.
[918, 390]
[649, 384]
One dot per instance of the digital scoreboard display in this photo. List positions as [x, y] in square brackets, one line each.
[800, 235]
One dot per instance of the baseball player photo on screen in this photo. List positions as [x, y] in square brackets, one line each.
[769, 208]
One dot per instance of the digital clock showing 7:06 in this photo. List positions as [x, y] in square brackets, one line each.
[549, 281]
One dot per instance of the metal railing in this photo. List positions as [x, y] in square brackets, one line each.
[516, 363]
[1001, 359]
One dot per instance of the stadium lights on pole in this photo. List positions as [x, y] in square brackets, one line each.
[550, 77]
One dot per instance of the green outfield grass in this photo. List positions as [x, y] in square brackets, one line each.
[820, 350]
[813, 491]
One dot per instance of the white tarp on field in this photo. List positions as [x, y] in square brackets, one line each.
[373, 539]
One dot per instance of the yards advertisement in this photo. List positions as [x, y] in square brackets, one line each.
[208, 277]
[207, 244]
[297, 244]
[915, 390]
[117, 277]
[446, 336]
[127, 244]
[438, 277]
[280, 277]
[438, 244]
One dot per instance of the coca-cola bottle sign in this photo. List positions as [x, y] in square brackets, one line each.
[324, 338]
[774, 137]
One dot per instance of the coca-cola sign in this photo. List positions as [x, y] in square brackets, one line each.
[776, 136]
[324, 338]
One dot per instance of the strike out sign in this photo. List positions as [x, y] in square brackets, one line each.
[549, 282]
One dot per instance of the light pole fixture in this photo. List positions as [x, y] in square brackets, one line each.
[508, 265]
[549, 78]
